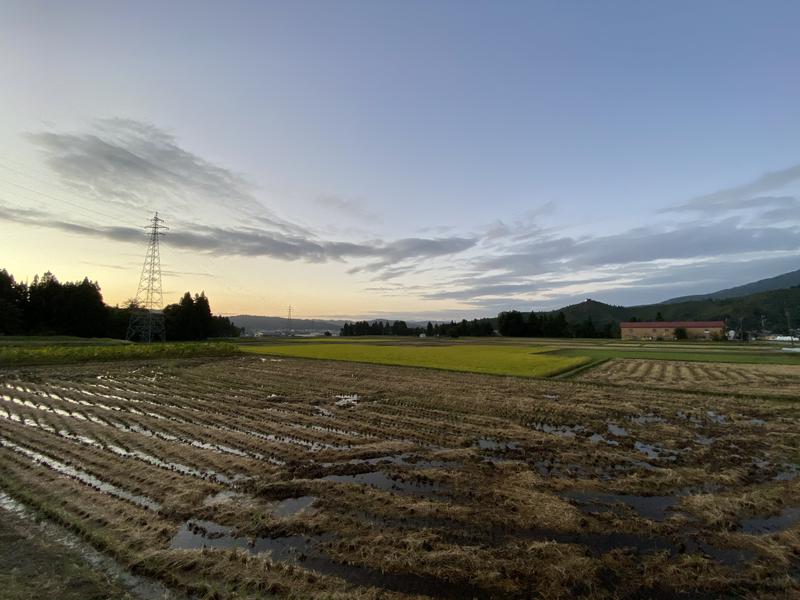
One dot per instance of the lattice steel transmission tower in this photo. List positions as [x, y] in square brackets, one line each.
[147, 317]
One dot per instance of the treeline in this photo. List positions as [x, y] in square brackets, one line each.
[48, 307]
[476, 327]
[517, 324]
[191, 319]
[380, 328]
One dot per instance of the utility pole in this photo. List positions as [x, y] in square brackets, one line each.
[147, 318]
[789, 325]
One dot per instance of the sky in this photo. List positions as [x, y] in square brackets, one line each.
[402, 159]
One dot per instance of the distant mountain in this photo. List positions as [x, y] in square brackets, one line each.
[253, 323]
[780, 282]
[772, 305]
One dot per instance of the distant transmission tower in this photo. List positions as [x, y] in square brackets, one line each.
[290, 320]
[147, 318]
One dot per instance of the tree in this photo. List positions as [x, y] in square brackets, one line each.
[659, 316]
[511, 323]
[429, 329]
[680, 333]
[13, 297]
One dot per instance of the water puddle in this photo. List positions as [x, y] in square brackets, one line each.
[597, 438]
[654, 508]
[653, 451]
[383, 481]
[780, 522]
[616, 430]
[291, 507]
[646, 419]
[554, 468]
[492, 444]
[730, 557]
[404, 460]
[82, 476]
[691, 417]
[566, 431]
[789, 473]
[302, 550]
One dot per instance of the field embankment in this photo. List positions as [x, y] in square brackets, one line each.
[37, 354]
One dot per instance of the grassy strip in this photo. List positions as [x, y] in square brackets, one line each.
[55, 354]
[765, 358]
[488, 359]
[56, 340]
[581, 369]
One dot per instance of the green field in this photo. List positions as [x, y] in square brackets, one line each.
[513, 356]
[495, 359]
[36, 353]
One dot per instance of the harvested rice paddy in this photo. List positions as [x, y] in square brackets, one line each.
[759, 379]
[251, 476]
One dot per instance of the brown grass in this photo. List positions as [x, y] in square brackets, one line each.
[754, 379]
[481, 474]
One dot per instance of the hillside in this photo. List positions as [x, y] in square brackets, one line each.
[779, 282]
[771, 304]
[253, 323]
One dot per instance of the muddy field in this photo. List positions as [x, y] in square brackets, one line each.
[243, 477]
[770, 380]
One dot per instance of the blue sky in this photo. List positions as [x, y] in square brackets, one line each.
[405, 158]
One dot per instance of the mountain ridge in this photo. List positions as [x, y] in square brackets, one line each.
[778, 282]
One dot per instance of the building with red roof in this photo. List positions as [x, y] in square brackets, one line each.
[672, 330]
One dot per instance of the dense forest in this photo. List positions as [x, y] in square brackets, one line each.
[518, 324]
[49, 307]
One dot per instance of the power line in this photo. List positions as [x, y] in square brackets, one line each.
[62, 200]
[48, 195]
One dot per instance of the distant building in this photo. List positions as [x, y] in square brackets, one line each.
[667, 330]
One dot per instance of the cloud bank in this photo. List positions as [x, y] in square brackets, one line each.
[708, 240]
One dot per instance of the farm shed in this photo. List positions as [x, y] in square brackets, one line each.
[667, 330]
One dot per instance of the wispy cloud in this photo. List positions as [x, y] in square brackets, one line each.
[510, 260]
[222, 241]
[747, 195]
[130, 162]
[347, 207]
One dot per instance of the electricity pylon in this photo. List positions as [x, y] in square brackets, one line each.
[147, 318]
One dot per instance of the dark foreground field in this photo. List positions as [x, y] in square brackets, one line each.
[255, 476]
